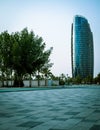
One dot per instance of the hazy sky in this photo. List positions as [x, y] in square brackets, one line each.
[52, 20]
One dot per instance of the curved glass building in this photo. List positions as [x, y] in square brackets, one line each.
[82, 55]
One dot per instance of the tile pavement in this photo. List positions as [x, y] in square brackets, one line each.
[59, 109]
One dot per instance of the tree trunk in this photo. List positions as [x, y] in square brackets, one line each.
[18, 82]
[2, 79]
[6, 80]
[38, 82]
[46, 84]
[30, 82]
[11, 79]
[38, 79]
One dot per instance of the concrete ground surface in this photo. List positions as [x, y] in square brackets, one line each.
[73, 108]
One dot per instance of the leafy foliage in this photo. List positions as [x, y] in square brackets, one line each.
[97, 79]
[22, 53]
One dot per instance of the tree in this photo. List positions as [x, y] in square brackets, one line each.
[23, 53]
[33, 56]
[88, 80]
[77, 79]
[45, 70]
[42, 61]
[5, 54]
[97, 79]
[62, 79]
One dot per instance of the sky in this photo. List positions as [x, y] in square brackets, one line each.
[52, 19]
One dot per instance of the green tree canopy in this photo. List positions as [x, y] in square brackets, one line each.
[23, 53]
[97, 79]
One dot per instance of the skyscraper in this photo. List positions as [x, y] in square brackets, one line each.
[82, 54]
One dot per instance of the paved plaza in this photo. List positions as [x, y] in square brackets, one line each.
[56, 109]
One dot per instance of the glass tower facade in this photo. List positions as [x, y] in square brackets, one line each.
[82, 55]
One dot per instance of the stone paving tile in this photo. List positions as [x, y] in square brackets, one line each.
[47, 125]
[85, 113]
[94, 117]
[98, 122]
[59, 109]
[10, 126]
[30, 124]
[68, 124]
[95, 127]
[82, 126]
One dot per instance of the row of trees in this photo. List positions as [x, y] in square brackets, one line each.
[22, 54]
[65, 79]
